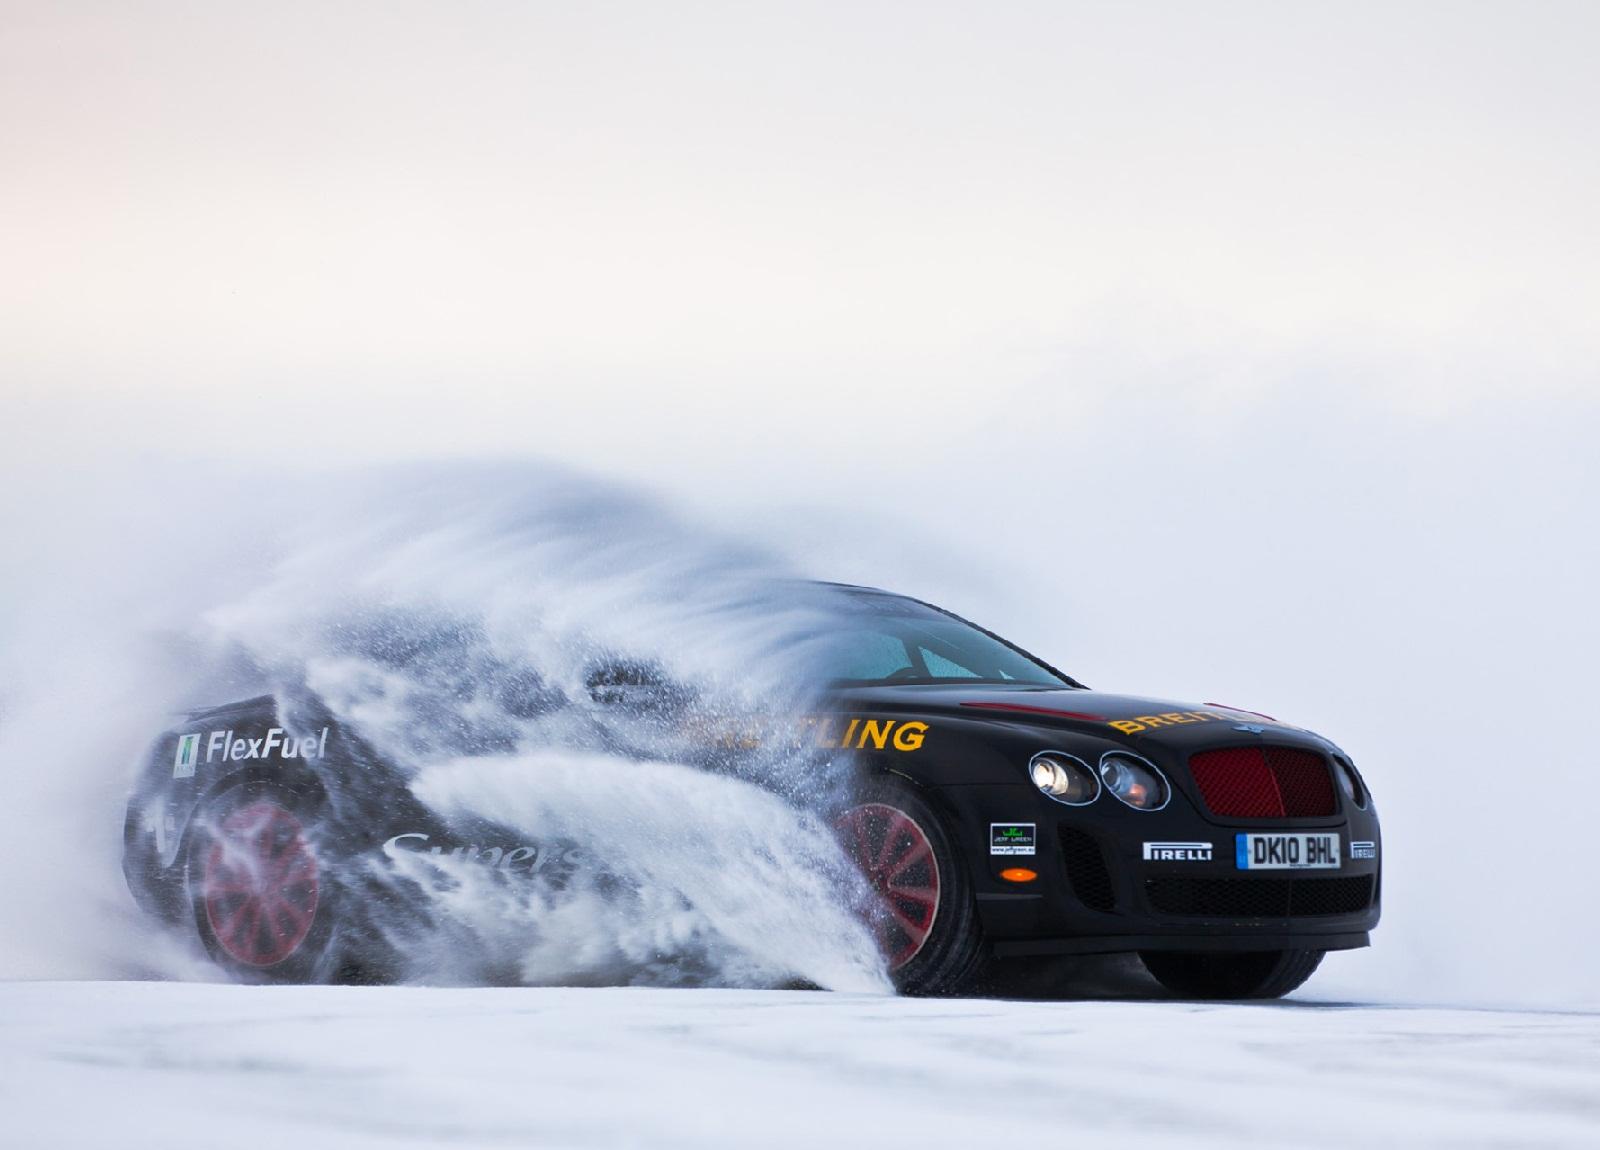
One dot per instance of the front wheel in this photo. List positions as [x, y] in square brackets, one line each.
[1220, 974]
[922, 908]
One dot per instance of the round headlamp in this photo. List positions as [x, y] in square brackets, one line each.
[1064, 778]
[1134, 781]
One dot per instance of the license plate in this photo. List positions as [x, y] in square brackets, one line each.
[1287, 852]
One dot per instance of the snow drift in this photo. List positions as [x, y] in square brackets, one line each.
[461, 621]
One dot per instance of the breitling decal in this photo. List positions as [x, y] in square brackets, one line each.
[1170, 719]
[858, 733]
[845, 732]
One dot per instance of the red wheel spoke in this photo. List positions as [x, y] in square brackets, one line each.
[880, 844]
[925, 895]
[272, 870]
[233, 920]
[914, 909]
[301, 873]
[284, 922]
[261, 940]
[299, 916]
[916, 931]
[908, 838]
[244, 927]
[229, 886]
[253, 923]
[899, 835]
[296, 870]
[919, 853]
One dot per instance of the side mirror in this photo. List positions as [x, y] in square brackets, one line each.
[634, 685]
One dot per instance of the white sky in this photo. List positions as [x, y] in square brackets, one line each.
[608, 231]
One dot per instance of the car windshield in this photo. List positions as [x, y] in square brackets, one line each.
[895, 640]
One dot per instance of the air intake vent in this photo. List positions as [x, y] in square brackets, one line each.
[1087, 870]
[1264, 783]
[1259, 897]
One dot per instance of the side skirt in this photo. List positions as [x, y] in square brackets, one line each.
[1117, 944]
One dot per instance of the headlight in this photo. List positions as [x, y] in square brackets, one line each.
[1065, 778]
[1134, 781]
[1350, 782]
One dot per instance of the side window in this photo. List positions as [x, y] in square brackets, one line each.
[941, 668]
[869, 655]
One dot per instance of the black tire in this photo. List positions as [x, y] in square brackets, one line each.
[885, 827]
[263, 898]
[1221, 974]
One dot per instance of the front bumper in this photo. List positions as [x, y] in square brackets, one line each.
[1096, 892]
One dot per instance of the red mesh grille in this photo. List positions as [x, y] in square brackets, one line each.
[1263, 783]
[1303, 781]
[1235, 783]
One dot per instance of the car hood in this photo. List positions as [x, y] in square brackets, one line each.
[1131, 718]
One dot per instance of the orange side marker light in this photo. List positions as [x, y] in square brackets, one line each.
[1018, 874]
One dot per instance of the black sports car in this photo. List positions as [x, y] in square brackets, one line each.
[996, 806]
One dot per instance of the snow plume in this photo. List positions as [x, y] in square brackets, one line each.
[530, 650]
[706, 879]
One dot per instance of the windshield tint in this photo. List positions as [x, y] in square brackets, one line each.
[894, 640]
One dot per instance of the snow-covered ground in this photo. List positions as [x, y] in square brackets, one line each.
[173, 1065]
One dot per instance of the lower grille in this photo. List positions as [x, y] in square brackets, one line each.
[1087, 870]
[1259, 897]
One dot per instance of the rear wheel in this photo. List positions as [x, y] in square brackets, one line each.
[922, 908]
[1247, 974]
[261, 897]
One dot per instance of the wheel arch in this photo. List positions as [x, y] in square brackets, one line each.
[298, 780]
